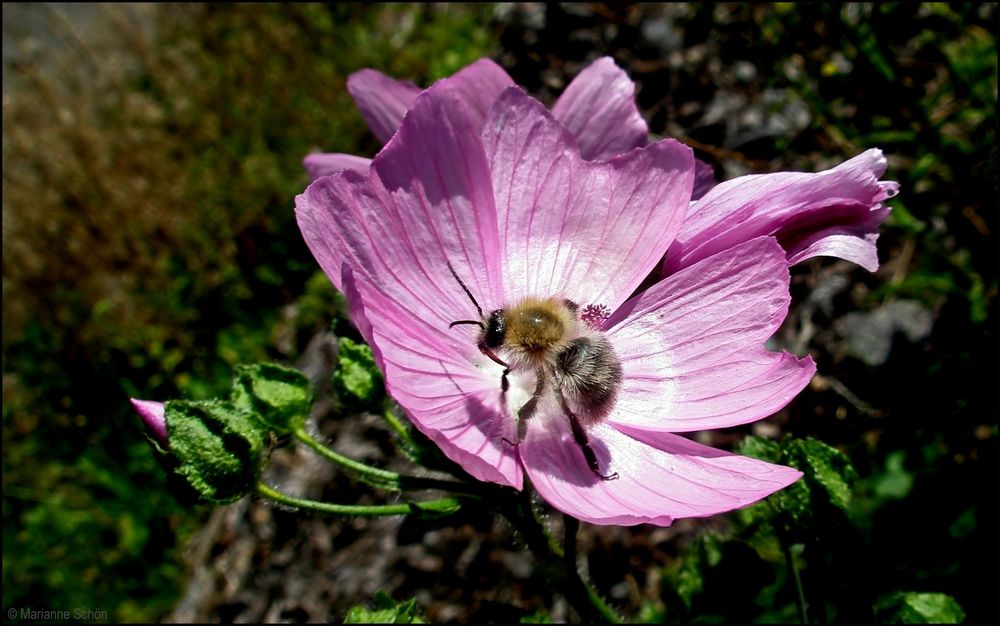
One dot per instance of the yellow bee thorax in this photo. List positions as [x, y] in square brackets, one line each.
[537, 329]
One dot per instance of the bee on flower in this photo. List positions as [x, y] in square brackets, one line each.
[545, 224]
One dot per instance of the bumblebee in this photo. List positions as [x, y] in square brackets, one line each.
[572, 362]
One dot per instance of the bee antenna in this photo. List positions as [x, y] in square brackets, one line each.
[476, 322]
[466, 290]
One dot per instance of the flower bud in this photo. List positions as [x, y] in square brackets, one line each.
[279, 396]
[214, 447]
[154, 419]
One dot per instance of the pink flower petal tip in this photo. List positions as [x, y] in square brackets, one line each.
[154, 418]
[836, 213]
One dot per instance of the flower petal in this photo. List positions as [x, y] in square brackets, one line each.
[692, 346]
[154, 418]
[810, 214]
[480, 84]
[598, 109]
[433, 374]
[589, 231]
[383, 100]
[660, 478]
[324, 164]
[426, 202]
[704, 179]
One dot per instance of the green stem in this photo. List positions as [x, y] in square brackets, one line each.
[371, 475]
[570, 527]
[383, 479]
[581, 596]
[800, 598]
[399, 427]
[442, 506]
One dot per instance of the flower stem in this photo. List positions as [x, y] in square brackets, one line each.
[397, 425]
[371, 475]
[800, 599]
[442, 506]
[570, 527]
[581, 596]
[383, 479]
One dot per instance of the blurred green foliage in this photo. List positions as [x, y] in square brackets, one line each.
[150, 245]
[778, 546]
[386, 611]
[919, 608]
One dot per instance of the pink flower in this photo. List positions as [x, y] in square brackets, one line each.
[505, 195]
[833, 213]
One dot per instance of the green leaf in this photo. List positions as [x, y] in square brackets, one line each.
[439, 508]
[919, 608]
[649, 613]
[386, 611]
[279, 395]
[761, 448]
[792, 500]
[218, 447]
[826, 466]
[538, 617]
[357, 376]
[687, 574]
[964, 525]
[894, 482]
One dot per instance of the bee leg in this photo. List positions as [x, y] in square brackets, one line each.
[529, 408]
[580, 437]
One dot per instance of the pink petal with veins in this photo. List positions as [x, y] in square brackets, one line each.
[587, 231]
[660, 478]
[836, 212]
[598, 109]
[692, 345]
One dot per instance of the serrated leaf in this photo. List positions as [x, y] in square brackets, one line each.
[794, 500]
[761, 448]
[386, 611]
[217, 445]
[919, 608]
[280, 396]
[357, 375]
[827, 466]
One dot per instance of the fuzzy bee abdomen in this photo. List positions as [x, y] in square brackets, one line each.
[589, 377]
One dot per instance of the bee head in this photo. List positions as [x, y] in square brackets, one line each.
[496, 329]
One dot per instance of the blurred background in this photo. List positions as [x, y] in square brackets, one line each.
[151, 155]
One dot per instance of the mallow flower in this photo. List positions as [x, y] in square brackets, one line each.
[500, 193]
[832, 213]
